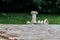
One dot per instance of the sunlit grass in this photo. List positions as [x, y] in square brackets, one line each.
[21, 18]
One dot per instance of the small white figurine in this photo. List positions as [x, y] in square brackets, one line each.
[46, 21]
[28, 22]
[39, 22]
[42, 22]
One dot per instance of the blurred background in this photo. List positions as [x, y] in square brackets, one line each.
[42, 6]
[18, 11]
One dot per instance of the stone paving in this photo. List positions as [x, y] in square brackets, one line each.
[29, 32]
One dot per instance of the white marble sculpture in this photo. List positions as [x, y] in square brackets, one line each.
[34, 21]
[34, 16]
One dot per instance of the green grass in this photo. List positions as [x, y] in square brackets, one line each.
[21, 18]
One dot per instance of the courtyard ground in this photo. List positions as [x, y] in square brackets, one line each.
[30, 32]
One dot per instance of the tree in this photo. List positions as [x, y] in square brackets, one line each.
[48, 6]
[45, 6]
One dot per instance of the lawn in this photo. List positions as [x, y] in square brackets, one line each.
[21, 18]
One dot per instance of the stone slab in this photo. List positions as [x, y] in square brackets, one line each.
[32, 31]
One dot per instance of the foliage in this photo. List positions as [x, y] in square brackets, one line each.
[48, 6]
[3, 14]
[21, 18]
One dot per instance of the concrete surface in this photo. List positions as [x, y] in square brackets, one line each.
[31, 31]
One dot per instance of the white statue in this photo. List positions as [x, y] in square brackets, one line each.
[34, 16]
[42, 22]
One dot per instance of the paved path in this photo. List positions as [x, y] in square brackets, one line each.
[31, 31]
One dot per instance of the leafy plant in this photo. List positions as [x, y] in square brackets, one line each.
[3, 14]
